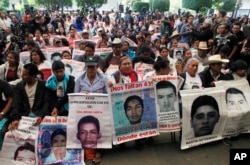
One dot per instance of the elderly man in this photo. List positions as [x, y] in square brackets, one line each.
[213, 73]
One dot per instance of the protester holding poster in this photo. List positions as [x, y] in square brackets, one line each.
[114, 57]
[5, 107]
[31, 97]
[126, 74]
[11, 70]
[144, 56]
[37, 57]
[91, 81]
[89, 52]
[213, 73]
[192, 80]
[161, 67]
[60, 84]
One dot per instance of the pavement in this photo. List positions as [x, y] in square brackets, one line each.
[166, 152]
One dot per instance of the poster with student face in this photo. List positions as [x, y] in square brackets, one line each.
[237, 94]
[142, 69]
[134, 111]
[167, 106]
[19, 146]
[204, 116]
[73, 68]
[89, 121]
[52, 141]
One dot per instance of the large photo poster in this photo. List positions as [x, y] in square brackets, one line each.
[89, 121]
[52, 143]
[19, 146]
[167, 106]
[204, 116]
[142, 69]
[74, 68]
[134, 111]
[237, 94]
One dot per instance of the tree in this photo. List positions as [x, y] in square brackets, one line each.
[162, 5]
[227, 5]
[90, 3]
[4, 4]
[53, 4]
[140, 6]
[197, 5]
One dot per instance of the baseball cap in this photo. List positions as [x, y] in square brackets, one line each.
[91, 61]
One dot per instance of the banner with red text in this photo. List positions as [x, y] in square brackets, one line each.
[89, 121]
[134, 111]
[204, 116]
[167, 106]
[52, 140]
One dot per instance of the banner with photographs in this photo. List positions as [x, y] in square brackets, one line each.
[19, 145]
[74, 68]
[204, 116]
[77, 53]
[25, 57]
[237, 95]
[55, 54]
[134, 111]
[131, 43]
[167, 106]
[142, 69]
[89, 121]
[52, 140]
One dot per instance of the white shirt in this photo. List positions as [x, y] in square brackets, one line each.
[192, 82]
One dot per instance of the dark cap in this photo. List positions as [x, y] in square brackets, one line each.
[91, 61]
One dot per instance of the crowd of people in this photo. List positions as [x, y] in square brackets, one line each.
[201, 49]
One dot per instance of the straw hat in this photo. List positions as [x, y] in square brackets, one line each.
[174, 34]
[117, 41]
[215, 59]
[203, 46]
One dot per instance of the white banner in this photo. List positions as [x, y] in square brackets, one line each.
[134, 111]
[89, 124]
[237, 95]
[19, 145]
[74, 68]
[167, 106]
[204, 116]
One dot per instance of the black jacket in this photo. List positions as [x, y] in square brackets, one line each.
[21, 107]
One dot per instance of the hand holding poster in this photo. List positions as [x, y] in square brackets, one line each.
[204, 116]
[89, 115]
[19, 145]
[52, 143]
[134, 111]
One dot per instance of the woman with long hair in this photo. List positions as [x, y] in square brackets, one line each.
[38, 58]
[11, 70]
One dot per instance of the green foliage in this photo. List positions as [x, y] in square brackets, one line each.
[162, 5]
[227, 5]
[90, 3]
[138, 6]
[51, 4]
[196, 4]
[4, 4]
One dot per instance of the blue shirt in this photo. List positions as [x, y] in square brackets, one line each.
[98, 86]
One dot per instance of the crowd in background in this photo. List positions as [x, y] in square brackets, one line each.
[201, 49]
